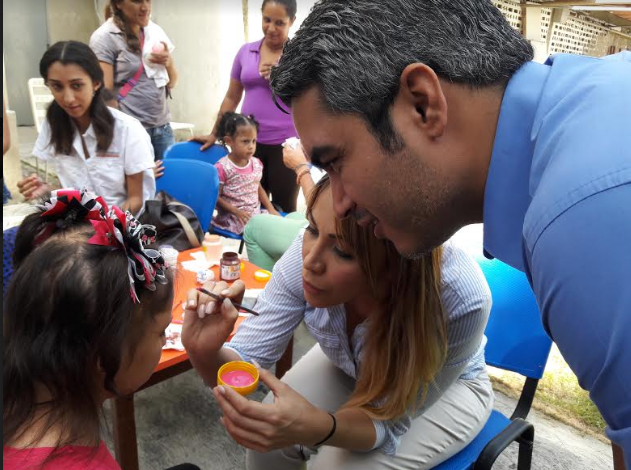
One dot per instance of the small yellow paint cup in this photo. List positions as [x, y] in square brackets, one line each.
[262, 275]
[240, 376]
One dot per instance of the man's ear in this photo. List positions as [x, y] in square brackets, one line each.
[423, 95]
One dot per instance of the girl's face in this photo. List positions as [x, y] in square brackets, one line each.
[136, 370]
[72, 88]
[243, 142]
[136, 12]
[330, 275]
[276, 24]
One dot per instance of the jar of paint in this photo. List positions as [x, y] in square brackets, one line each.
[240, 376]
[230, 267]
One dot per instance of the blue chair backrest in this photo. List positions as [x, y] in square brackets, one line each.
[191, 151]
[193, 183]
[516, 338]
[8, 245]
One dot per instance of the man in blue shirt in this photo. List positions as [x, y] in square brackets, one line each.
[429, 116]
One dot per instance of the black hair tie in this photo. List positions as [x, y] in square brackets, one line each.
[330, 435]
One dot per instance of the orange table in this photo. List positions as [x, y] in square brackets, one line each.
[173, 363]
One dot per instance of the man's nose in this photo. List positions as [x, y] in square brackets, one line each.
[342, 203]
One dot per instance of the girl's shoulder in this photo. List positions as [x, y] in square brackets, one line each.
[66, 458]
[224, 162]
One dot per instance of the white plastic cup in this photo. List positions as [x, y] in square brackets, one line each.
[212, 247]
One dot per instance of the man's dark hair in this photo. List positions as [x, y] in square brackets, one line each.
[355, 52]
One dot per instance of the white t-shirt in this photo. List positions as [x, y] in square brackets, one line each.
[104, 172]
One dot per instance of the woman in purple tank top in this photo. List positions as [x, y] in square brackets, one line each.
[250, 74]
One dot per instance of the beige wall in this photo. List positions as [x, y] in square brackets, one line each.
[71, 19]
[207, 35]
[11, 169]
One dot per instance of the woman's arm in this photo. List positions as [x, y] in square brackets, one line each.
[296, 160]
[165, 58]
[265, 202]
[108, 75]
[263, 338]
[133, 183]
[207, 326]
[229, 104]
[290, 420]
[173, 75]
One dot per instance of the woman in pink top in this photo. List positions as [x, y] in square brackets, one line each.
[250, 73]
[241, 194]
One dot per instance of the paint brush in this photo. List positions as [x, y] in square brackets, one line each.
[221, 299]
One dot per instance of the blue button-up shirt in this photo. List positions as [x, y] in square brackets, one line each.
[558, 206]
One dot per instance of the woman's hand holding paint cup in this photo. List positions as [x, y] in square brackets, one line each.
[208, 323]
[290, 419]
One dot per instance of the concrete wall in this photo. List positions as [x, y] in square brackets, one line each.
[207, 35]
[11, 169]
[24, 35]
[71, 19]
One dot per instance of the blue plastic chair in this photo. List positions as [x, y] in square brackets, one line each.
[193, 183]
[191, 151]
[8, 245]
[516, 342]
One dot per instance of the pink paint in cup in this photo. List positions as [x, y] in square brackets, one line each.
[237, 378]
[240, 376]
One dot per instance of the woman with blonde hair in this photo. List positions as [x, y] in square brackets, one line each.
[397, 378]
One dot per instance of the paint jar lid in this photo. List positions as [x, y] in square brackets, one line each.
[232, 374]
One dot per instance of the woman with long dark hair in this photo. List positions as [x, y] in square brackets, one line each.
[91, 145]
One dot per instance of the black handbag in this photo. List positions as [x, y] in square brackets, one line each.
[176, 223]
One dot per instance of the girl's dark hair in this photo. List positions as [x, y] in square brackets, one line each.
[290, 6]
[112, 11]
[69, 321]
[230, 122]
[61, 126]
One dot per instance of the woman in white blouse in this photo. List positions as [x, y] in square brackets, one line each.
[92, 146]
[397, 379]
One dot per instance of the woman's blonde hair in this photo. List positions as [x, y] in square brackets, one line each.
[405, 343]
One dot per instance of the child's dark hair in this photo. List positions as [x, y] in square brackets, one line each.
[290, 6]
[230, 122]
[61, 126]
[69, 322]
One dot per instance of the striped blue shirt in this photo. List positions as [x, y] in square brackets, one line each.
[466, 300]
